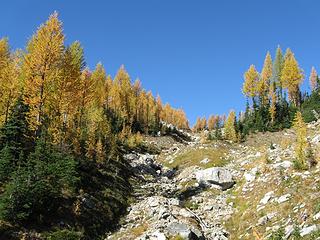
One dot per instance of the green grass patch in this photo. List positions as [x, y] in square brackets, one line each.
[194, 157]
[191, 205]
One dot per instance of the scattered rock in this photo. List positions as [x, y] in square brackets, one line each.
[316, 216]
[185, 213]
[205, 161]
[267, 197]
[316, 139]
[307, 230]
[284, 198]
[288, 231]
[263, 220]
[283, 165]
[249, 177]
[157, 235]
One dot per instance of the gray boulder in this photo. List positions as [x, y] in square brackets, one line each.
[182, 230]
[217, 176]
[308, 230]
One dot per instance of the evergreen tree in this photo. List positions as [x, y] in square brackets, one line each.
[6, 164]
[16, 134]
[310, 108]
[36, 189]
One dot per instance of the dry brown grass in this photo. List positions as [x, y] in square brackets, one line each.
[246, 216]
[138, 231]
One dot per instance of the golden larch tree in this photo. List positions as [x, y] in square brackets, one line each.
[158, 110]
[291, 78]
[273, 101]
[42, 69]
[108, 88]
[99, 79]
[136, 88]
[9, 79]
[66, 98]
[251, 82]
[264, 83]
[124, 95]
[301, 139]
[203, 123]
[229, 128]
[197, 125]
[211, 122]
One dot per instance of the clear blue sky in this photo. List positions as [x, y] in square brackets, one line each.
[193, 53]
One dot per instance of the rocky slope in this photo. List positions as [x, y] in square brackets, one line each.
[219, 190]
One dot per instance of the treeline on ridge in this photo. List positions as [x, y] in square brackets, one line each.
[273, 97]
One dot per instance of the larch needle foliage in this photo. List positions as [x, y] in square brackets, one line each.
[251, 83]
[9, 79]
[301, 140]
[230, 131]
[292, 77]
[264, 83]
[42, 69]
[273, 101]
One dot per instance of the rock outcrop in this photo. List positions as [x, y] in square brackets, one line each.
[219, 176]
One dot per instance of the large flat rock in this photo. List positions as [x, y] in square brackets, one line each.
[216, 176]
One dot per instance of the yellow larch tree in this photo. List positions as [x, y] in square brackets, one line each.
[86, 97]
[291, 78]
[42, 69]
[150, 111]
[9, 79]
[288, 54]
[108, 88]
[197, 125]
[136, 88]
[273, 101]
[251, 82]
[229, 128]
[301, 139]
[264, 83]
[125, 95]
[99, 79]
[203, 123]
[180, 119]
[158, 110]
[212, 122]
[166, 113]
[67, 93]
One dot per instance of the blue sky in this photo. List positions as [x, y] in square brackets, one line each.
[193, 53]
